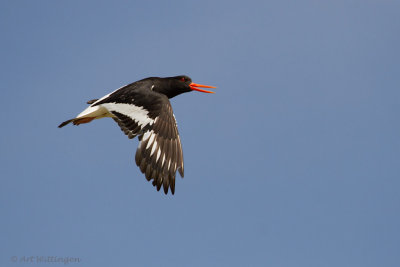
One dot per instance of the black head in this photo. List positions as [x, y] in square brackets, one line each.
[173, 86]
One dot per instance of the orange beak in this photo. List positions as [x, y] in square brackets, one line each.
[194, 86]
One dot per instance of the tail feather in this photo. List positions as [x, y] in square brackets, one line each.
[89, 114]
[77, 121]
[65, 123]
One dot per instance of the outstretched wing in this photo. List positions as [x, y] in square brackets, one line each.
[159, 154]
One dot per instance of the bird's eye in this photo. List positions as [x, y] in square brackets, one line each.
[183, 79]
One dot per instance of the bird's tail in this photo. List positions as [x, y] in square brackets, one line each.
[76, 121]
[89, 114]
[65, 123]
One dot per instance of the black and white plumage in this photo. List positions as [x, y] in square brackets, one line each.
[142, 109]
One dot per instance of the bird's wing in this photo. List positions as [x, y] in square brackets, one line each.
[159, 154]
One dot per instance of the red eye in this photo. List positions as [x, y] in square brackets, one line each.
[183, 79]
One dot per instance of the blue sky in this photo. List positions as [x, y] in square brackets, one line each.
[293, 162]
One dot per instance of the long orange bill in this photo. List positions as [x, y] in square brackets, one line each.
[194, 86]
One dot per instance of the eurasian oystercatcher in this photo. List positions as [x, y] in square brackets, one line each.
[142, 109]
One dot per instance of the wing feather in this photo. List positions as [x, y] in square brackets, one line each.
[159, 163]
[149, 116]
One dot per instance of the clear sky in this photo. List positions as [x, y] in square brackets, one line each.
[293, 162]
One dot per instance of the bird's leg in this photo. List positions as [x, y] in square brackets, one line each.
[82, 120]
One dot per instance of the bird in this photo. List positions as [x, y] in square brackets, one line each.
[142, 109]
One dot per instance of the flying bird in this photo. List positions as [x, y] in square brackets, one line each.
[142, 109]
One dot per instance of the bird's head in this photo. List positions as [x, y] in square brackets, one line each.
[173, 86]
